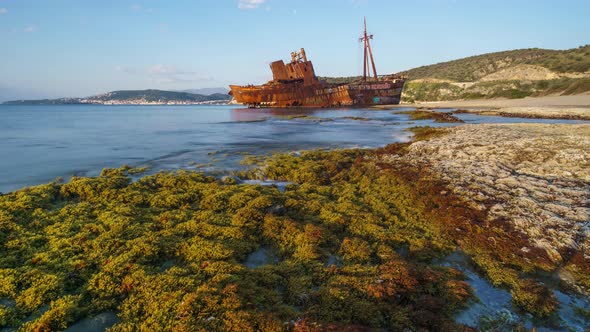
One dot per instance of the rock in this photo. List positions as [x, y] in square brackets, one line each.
[230, 179]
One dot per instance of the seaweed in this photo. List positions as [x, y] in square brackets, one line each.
[168, 251]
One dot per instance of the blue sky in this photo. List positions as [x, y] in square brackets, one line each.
[54, 48]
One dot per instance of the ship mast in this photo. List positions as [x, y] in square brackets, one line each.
[368, 53]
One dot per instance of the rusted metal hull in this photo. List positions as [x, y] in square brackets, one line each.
[377, 93]
[298, 94]
[295, 85]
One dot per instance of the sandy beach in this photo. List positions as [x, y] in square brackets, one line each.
[575, 107]
[582, 100]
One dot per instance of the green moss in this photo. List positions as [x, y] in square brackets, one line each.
[304, 117]
[422, 114]
[584, 313]
[535, 298]
[167, 251]
[356, 118]
[426, 132]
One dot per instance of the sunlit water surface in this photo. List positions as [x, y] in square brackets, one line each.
[41, 143]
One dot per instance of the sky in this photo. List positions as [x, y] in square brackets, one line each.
[76, 48]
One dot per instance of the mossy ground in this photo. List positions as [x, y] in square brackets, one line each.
[428, 114]
[166, 252]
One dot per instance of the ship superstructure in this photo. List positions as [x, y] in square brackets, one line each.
[295, 85]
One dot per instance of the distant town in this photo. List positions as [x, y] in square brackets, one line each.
[150, 102]
[135, 97]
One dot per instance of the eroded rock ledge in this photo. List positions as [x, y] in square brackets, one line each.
[534, 176]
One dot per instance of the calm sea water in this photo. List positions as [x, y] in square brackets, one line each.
[41, 143]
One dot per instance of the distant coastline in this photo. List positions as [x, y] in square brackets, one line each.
[134, 97]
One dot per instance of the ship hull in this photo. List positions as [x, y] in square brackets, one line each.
[298, 94]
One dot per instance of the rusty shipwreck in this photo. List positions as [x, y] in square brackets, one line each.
[296, 85]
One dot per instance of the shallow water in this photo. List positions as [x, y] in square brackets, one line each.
[496, 303]
[262, 256]
[41, 143]
[97, 323]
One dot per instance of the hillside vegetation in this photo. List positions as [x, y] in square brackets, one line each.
[512, 89]
[158, 95]
[576, 60]
[510, 74]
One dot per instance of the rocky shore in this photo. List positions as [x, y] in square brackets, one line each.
[535, 177]
[581, 100]
[566, 113]
[575, 107]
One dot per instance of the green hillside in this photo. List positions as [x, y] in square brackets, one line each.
[510, 74]
[158, 96]
[576, 60]
[415, 91]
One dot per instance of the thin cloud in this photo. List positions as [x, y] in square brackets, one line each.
[3, 11]
[165, 74]
[139, 8]
[30, 28]
[163, 27]
[167, 70]
[250, 4]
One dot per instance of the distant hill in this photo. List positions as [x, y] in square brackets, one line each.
[139, 97]
[206, 91]
[510, 74]
[576, 60]
[59, 101]
[158, 96]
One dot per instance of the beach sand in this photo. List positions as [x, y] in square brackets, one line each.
[553, 107]
[582, 100]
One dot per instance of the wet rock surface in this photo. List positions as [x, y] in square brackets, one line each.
[535, 176]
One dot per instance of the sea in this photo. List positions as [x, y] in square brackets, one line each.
[42, 143]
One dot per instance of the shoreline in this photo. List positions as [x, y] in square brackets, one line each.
[555, 113]
[581, 100]
[344, 219]
[575, 107]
